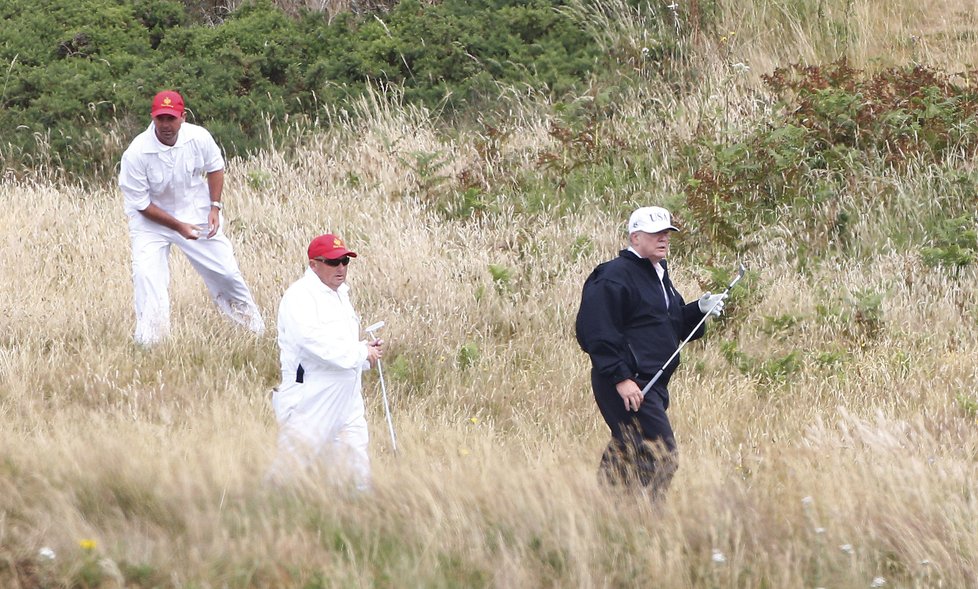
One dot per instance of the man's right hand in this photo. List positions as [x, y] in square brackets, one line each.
[375, 350]
[630, 394]
[188, 231]
[161, 217]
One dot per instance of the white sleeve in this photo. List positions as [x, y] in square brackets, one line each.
[318, 337]
[133, 182]
[213, 160]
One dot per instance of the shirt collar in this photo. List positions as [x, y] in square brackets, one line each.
[660, 266]
[154, 145]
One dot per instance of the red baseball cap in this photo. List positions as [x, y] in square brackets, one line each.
[329, 247]
[167, 102]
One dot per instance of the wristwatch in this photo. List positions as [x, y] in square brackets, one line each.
[218, 204]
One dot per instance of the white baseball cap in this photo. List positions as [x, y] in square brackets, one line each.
[650, 220]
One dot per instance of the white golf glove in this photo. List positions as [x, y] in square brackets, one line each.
[712, 303]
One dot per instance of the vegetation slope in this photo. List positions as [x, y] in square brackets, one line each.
[827, 423]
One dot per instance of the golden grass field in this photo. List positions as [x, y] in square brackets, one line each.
[121, 466]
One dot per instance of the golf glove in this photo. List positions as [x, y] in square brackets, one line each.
[712, 303]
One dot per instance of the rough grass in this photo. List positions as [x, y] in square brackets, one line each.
[825, 440]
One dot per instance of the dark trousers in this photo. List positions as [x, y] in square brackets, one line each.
[642, 450]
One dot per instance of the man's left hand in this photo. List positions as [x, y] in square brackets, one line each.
[712, 304]
[375, 350]
[213, 221]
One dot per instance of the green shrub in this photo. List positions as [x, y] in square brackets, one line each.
[467, 356]
[968, 405]
[69, 72]
[583, 245]
[502, 277]
[80, 71]
[779, 326]
[899, 115]
[868, 312]
[833, 122]
[832, 358]
[780, 368]
[953, 244]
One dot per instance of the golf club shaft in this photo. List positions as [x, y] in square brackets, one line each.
[387, 409]
[383, 388]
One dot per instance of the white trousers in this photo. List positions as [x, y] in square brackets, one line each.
[212, 258]
[322, 427]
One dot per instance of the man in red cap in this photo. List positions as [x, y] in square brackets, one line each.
[172, 178]
[319, 405]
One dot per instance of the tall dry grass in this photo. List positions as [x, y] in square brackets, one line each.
[868, 33]
[145, 467]
[765, 34]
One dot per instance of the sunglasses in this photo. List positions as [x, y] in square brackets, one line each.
[345, 260]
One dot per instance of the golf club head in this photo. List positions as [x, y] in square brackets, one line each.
[374, 327]
[740, 274]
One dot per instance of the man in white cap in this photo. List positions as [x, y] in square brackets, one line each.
[319, 405]
[630, 321]
[172, 178]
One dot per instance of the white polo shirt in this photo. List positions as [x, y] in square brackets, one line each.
[174, 178]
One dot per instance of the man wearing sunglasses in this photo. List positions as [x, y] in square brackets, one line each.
[319, 405]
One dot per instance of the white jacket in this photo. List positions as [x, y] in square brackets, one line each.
[319, 330]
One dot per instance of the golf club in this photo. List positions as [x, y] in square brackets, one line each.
[740, 274]
[383, 387]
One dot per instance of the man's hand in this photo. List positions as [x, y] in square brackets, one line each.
[215, 187]
[375, 350]
[213, 221]
[188, 231]
[630, 394]
[712, 304]
[161, 217]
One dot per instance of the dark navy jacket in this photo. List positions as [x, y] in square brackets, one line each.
[623, 323]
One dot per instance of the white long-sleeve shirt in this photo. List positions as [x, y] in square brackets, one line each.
[318, 328]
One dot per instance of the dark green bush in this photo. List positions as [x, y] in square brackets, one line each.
[66, 71]
[76, 72]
